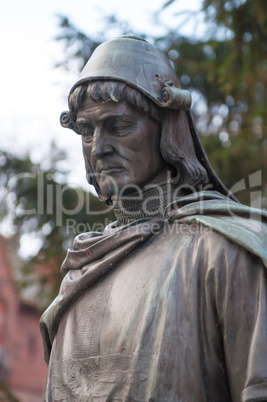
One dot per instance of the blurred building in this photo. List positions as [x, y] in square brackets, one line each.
[22, 369]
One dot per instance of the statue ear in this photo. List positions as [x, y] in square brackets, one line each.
[67, 122]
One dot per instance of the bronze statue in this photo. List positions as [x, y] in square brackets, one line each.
[169, 303]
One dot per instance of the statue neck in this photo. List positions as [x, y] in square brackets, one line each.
[148, 203]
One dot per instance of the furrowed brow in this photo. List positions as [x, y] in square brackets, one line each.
[83, 122]
[115, 116]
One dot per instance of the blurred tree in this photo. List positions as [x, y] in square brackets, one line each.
[229, 69]
[6, 394]
[226, 71]
[79, 46]
[47, 213]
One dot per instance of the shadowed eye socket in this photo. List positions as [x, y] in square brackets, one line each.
[87, 133]
[119, 124]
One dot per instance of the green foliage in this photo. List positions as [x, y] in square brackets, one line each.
[239, 66]
[238, 157]
[41, 205]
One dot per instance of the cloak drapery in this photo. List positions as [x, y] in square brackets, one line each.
[170, 309]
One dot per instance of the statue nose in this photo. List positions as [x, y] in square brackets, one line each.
[100, 146]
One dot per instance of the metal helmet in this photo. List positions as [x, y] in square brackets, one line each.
[150, 70]
[143, 66]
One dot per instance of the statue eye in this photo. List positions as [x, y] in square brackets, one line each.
[87, 133]
[118, 125]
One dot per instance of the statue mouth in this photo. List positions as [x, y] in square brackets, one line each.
[110, 171]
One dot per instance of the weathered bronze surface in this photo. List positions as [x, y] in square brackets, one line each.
[169, 303]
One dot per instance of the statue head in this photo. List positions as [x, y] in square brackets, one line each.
[129, 77]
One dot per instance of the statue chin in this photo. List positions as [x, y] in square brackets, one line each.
[108, 186]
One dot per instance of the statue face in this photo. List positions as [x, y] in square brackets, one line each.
[122, 145]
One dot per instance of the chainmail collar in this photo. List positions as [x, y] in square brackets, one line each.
[149, 203]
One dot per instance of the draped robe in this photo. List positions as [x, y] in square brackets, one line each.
[170, 309]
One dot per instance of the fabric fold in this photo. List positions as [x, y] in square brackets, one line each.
[95, 255]
[82, 268]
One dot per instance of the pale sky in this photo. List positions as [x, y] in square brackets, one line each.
[33, 92]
